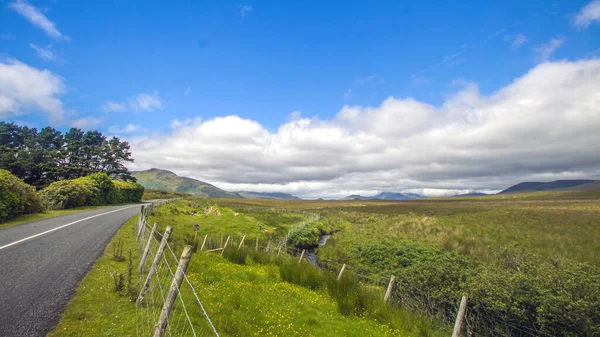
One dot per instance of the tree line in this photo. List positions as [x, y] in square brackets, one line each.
[44, 156]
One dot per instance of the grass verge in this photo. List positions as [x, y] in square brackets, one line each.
[25, 218]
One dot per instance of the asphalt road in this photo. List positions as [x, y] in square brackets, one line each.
[42, 262]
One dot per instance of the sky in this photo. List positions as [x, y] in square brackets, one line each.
[318, 98]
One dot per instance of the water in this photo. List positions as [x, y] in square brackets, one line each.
[311, 254]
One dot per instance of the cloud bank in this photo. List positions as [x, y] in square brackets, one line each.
[542, 126]
[25, 89]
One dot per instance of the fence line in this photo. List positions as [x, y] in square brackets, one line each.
[162, 309]
[498, 326]
[474, 316]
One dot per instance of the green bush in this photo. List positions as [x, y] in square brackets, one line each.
[16, 197]
[66, 194]
[308, 236]
[125, 191]
[93, 190]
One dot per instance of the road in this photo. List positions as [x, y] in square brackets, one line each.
[42, 262]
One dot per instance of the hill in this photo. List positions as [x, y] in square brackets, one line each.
[593, 186]
[542, 186]
[267, 195]
[157, 179]
[386, 196]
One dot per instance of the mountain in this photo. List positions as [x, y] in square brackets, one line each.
[386, 196]
[395, 196]
[472, 194]
[593, 186]
[356, 197]
[541, 186]
[265, 195]
[164, 180]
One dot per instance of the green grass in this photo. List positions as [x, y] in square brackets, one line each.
[552, 224]
[250, 299]
[25, 218]
[528, 259]
[150, 194]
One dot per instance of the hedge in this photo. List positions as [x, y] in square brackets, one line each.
[16, 197]
[96, 189]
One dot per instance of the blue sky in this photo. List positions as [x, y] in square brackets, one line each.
[147, 63]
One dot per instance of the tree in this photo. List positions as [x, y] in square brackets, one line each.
[40, 158]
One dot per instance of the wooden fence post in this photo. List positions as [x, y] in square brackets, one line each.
[152, 270]
[146, 250]
[141, 221]
[388, 292]
[241, 242]
[204, 242]
[257, 244]
[279, 250]
[460, 316]
[301, 256]
[184, 261]
[226, 242]
[341, 272]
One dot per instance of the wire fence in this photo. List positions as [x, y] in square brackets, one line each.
[478, 321]
[158, 273]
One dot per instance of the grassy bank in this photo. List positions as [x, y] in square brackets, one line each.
[21, 219]
[250, 299]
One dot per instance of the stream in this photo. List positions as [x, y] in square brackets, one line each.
[311, 254]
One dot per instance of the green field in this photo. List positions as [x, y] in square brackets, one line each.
[529, 264]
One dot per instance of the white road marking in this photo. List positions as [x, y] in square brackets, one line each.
[63, 226]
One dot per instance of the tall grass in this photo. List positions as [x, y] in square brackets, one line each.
[352, 297]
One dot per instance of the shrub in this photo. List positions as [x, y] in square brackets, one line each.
[96, 189]
[65, 194]
[125, 191]
[16, 197]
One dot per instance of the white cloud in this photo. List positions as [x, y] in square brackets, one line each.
[36, 18]
[25, 89]
[545, 51]
[112, 106]
[176, 123]
[588, 14]
[139, 102]
[245, 10]
[146, 102]
[542, 126]
[516, 41]
[86, 123]
[129, 128]
[45, 53]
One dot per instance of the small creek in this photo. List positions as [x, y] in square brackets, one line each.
[311, 254]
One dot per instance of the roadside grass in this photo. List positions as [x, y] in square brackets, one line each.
[96, 309]
[242, 300]
[25, 218]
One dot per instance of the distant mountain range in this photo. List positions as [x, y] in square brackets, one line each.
[472, 194]
[548, 186]
[386, 196]
[164, 180]
[265, 195]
